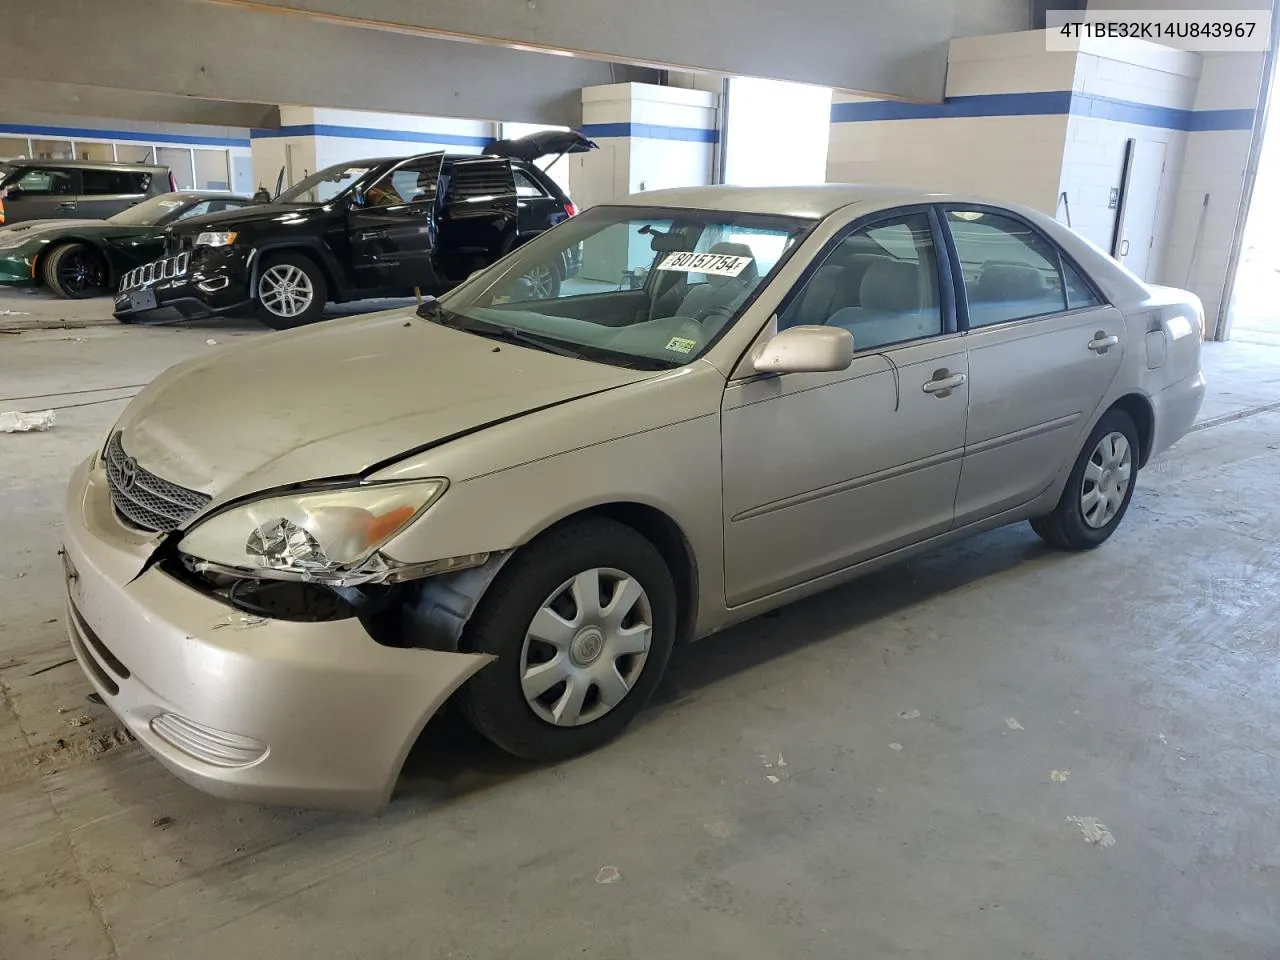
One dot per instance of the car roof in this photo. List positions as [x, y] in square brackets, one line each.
[205, 195]
[82, 164]
[814, 202]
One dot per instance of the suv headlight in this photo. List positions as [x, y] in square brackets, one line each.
[214, 238]
[320, 536]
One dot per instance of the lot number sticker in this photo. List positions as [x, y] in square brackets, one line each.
[717, 264]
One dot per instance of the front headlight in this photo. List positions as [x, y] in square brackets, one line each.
[213, 238]
[323, 536]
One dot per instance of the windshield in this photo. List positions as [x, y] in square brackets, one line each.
[633, 286]
[323, 186]
[150, 212]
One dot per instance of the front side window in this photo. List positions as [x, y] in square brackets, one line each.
[413, 182]
[323, 186]
[1010, 270]
[880, 283]
[45, 182]
[643, 287]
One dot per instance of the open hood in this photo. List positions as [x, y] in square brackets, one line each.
[544, 143]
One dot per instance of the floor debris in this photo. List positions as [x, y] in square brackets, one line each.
[608, 875]
[895, 747]
[1059, 776]
[909, 715]
[16, 421]
[1093, 831]
[162, 822]
[1013, 724]
[79, 721]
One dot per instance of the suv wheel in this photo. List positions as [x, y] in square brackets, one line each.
[581, 621]
[290, 291]
[75, 271]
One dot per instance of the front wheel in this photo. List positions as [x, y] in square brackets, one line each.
[290, 291]
[1099, 488]
[76, 271]
[582, 622]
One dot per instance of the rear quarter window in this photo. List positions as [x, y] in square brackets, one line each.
[109, 182]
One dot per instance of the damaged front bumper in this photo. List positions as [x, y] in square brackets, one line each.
[314, 714]
[192, 285]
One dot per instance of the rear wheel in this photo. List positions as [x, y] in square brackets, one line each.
[75, 271]
[582, 623]
[1099, 488]
[290, 291]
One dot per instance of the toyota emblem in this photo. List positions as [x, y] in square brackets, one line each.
[128, 473]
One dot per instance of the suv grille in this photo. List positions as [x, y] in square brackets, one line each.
[143, 499]
[151, 273]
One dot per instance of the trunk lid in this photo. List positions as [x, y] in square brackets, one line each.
[544, 143]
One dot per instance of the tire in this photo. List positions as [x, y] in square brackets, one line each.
[76, 271]
[290, 291]
[494, 699]
[544, 284]
[1070, 526]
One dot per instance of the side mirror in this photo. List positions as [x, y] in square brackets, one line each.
[809, 349]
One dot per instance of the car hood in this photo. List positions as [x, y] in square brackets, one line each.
[254, 214]
[337, 398]
[31, 229]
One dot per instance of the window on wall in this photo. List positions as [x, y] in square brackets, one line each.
[212, 170]
[134, 153]
[758, 110]
[11, 149]
[97, 152]
[52, 150]
[178, 160]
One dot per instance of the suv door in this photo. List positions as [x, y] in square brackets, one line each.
[824, 470]
[477, 215]
[536, 208]
[107, 192]
[1043, 350]
[43, 193]
[392, 228]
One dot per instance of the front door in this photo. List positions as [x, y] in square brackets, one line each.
[822, 471]
[393, 229]
[477, 217]
[1043, 350]
[42, 193]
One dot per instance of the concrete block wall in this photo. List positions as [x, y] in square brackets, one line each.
[650, 137]
[1026, 125]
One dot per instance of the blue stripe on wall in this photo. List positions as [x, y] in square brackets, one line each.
[133, 136]
[1051, 103]
[370, 133]
[651, 131]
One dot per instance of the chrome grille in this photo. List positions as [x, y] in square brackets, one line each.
[154, 272]
[142, 498]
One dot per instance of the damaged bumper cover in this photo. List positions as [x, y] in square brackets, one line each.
[315, 714]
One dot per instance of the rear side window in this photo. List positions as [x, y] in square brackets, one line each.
[43, 182]
[1079, 293]
[526, 186]
[1010, 271]
[480, 179]
[108, 182]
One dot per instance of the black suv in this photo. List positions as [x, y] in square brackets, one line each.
[368, 228]
[79, 189]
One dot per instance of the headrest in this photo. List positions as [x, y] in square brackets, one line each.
[727, 249]
[1010, 281]
[891, 285]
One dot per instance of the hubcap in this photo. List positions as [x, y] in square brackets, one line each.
[586, 647]
[540, 278]
[285, 290]
[1106, 480]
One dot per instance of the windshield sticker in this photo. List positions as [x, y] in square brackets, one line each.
[717, 264]
[681, 344]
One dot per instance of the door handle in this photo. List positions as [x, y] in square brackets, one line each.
[1101, 343]
[67, 205]
[372, 234]
[943, 382]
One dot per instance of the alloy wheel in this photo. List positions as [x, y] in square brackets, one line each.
[285, 290]
[80, 272]
[542, 279]
[586, 647]
[1106, 480]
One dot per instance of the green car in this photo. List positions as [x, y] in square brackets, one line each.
[86, 258]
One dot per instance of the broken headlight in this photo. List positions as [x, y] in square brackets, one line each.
[320, 536]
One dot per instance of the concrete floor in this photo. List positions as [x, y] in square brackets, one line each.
[889, 770]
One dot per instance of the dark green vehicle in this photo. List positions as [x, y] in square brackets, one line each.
[86, 258]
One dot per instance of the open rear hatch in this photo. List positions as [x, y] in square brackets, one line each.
[544, 143]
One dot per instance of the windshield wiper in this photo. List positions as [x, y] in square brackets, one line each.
[512, 335]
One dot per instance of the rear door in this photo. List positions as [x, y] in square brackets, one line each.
[393, 229]
[537, 208]
[107, 192]
[1043, 349]
[44, 193]
[478, 215]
